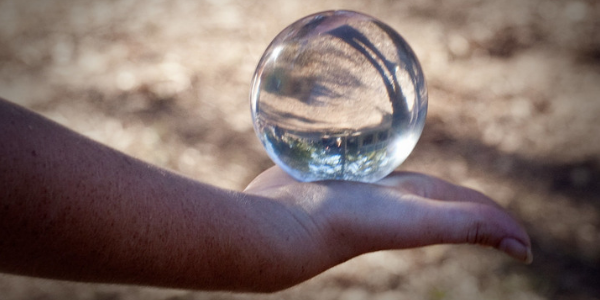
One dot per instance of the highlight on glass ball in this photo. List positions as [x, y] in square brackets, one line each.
[339, 95]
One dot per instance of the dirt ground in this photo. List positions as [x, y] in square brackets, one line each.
[514, 91]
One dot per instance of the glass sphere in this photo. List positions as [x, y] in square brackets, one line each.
[338, 95]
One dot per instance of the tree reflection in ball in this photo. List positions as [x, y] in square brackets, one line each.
[339, 95]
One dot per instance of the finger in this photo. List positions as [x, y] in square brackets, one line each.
[419, 222]
[271, 178]
[483, 222]
[433, 188]
[480, 224]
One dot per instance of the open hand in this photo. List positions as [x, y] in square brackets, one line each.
[340, 220]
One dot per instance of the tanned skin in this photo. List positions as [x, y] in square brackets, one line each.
[73, 209]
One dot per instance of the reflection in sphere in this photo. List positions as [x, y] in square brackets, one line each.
[339, 95]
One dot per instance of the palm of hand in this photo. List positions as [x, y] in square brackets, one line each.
[333, 221]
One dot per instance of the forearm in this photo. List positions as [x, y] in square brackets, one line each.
[73, 209]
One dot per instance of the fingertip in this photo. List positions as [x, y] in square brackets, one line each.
[270, 178]
[529, 259]
[516, 249]
[487, 225]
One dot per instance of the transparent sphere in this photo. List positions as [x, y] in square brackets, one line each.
[339, 95]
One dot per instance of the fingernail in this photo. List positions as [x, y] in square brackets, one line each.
[516, 249]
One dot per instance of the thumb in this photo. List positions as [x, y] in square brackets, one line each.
[413, 221]
[472, 223]
[476, 223]
[463, 214]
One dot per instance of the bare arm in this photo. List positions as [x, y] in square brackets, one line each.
[73, 209]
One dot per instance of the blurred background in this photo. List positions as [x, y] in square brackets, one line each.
[514, 91]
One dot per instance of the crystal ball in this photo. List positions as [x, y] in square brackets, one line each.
[338, 95]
